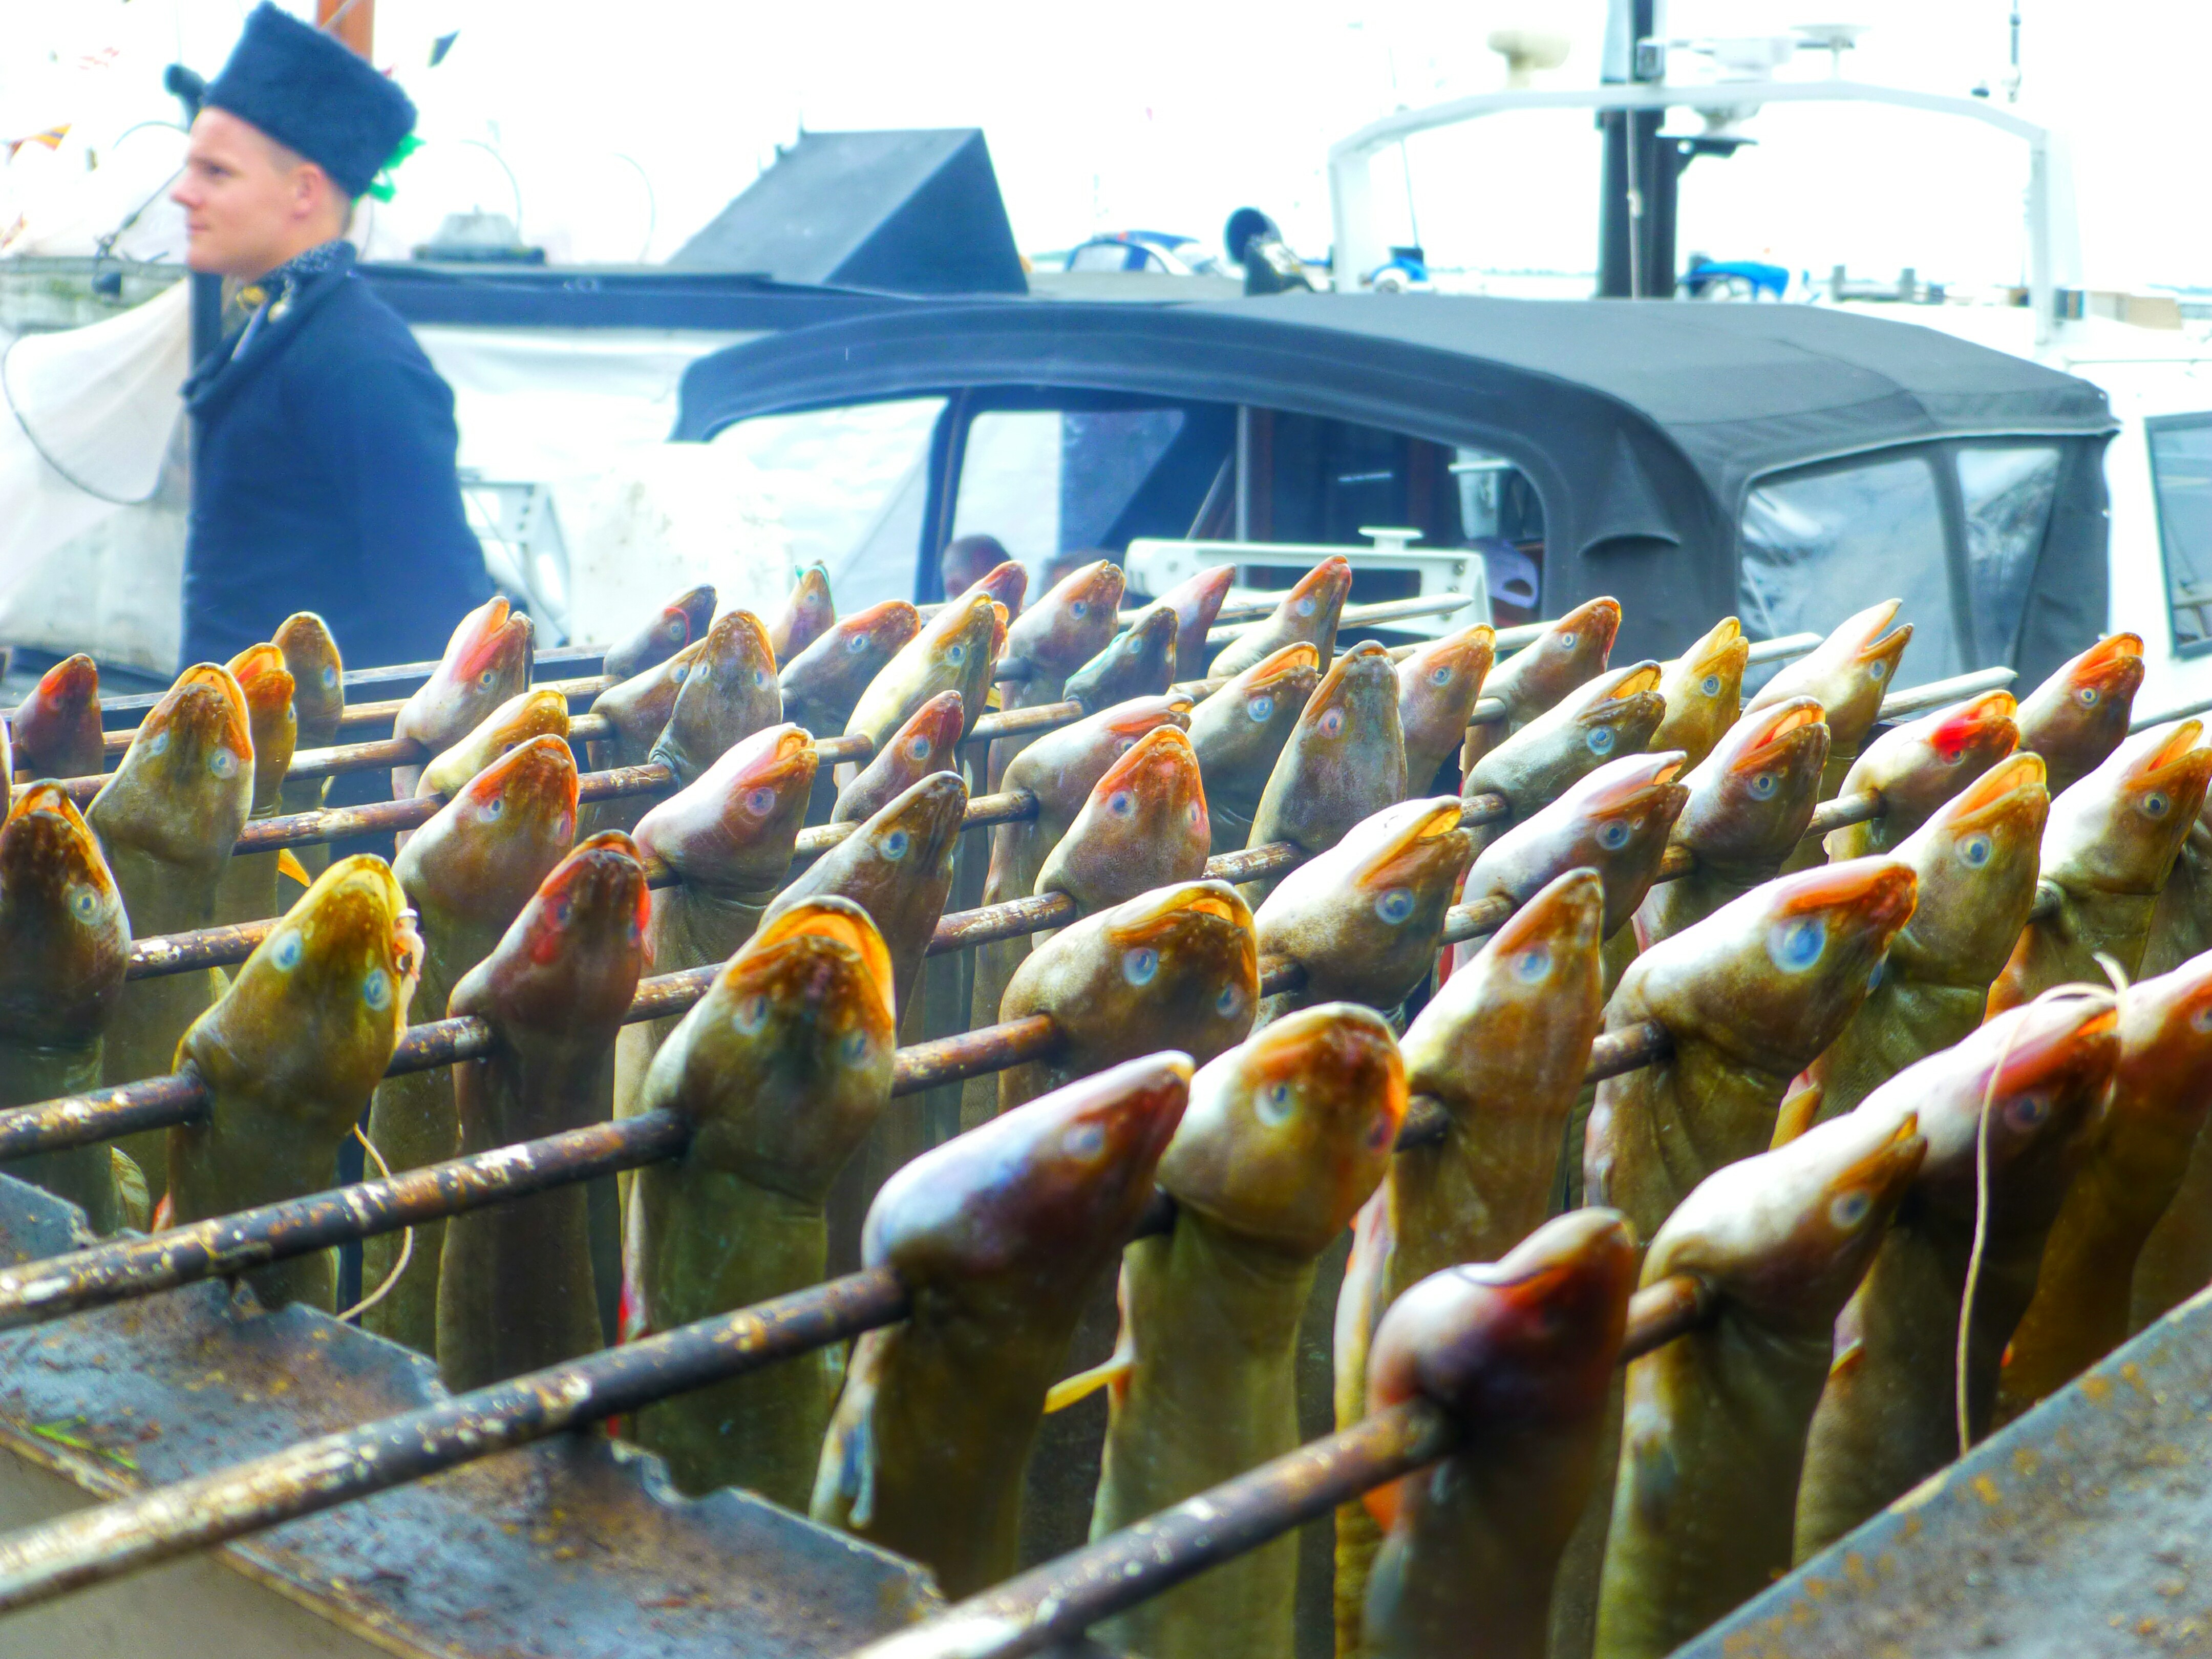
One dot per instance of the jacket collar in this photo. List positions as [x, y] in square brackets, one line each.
[290, 294]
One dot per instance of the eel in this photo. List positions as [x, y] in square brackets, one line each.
[1848, 674]
[1568, 653]
[1051, 640]
[728, 839]
[2077, 717]
[1060, 769]
[515, 1285]
[2108, 846]
[1915, 767]
[1499, 1052]
[317, 708]
[248, 890]
[1702, 689]
[2176, 1260]
[1600, 720]
[956, 650]
[1975, 861]
[64, 942]
[1747, 997]
[1437, 685]
[1005, 583]
[1306, 615]
[165, 821]
[1344, 760]
[467, 874]
[1362, 920]
[486, 661]
[780, 1070]
[55, 731]
[1143, 825]
[729, 694]
[806, 617]
[1616, 822]
[1715, 1421]
[539, 713]
[1750, 801]
[898, 867]
[1521, 1352]
[637, 712]
[1888, 1413]
[928, 743]
[675, 625]
[1196, 601]
[822, 683]
[290, 1057]
[1239, 731]
[2181, 920]
[1284, 1139]
[2133, 1158]
[1178, 967]
[1139, 662]
[999, 1237]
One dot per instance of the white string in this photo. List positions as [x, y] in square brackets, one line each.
[406, 1241]
[2119, 979]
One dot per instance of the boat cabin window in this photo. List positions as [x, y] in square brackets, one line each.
[1314, 480]
[850, 484]
[2005, 492]
[2181, 480]
[1819, 545]
[1050, 481]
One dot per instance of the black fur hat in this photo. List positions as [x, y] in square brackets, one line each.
[310, 93]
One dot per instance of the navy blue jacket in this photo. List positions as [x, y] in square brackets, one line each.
[323, 480]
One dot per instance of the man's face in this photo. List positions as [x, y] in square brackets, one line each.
[247, 202]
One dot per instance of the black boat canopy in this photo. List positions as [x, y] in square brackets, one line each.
[1641, 425]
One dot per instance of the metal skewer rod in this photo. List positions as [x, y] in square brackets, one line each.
[125, 1268]
[1057, 1601]
[95, 1546]
[216, 947]
[161, 1101]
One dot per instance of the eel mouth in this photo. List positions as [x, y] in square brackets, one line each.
[838, 920]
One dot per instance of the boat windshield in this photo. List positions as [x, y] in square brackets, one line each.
[2181, 479]
[1820, 546]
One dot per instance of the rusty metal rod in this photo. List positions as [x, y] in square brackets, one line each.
[80, 1120]
[114, 1539]
[96, 1546]
[1057, 1601]
[216, 947]
[224, 1245]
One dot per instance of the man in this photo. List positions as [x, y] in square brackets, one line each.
[966, 561]
[323, 471]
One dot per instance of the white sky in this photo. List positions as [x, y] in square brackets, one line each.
[1169, 115]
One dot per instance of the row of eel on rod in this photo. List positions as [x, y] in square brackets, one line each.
[1631, 838]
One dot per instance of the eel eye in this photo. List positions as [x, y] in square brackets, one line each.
[1121, 804]
[1307, 606]
[1440, 675]
[752, 1013]
[1272, 1104]
[1232, 999]
[857, 643]
[1137, 966]
[2087, 696]
[1532, 965]
[1259, 708]
[1566, 641]
[2155, 804]
[896, 843]
[285, 953]
[1600, 740]
[956, 655]
[329, 678]
[1612, 837]
[1332, 722]
[1764, 785]
[1080, 609]
[84, 903]
[758, 801]
[376, 989]
[223, 764]
[1974, 851]
[1796, 945]
[1877, 671]
[1710, 685]
[1394, 906]
[1847, 1210]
